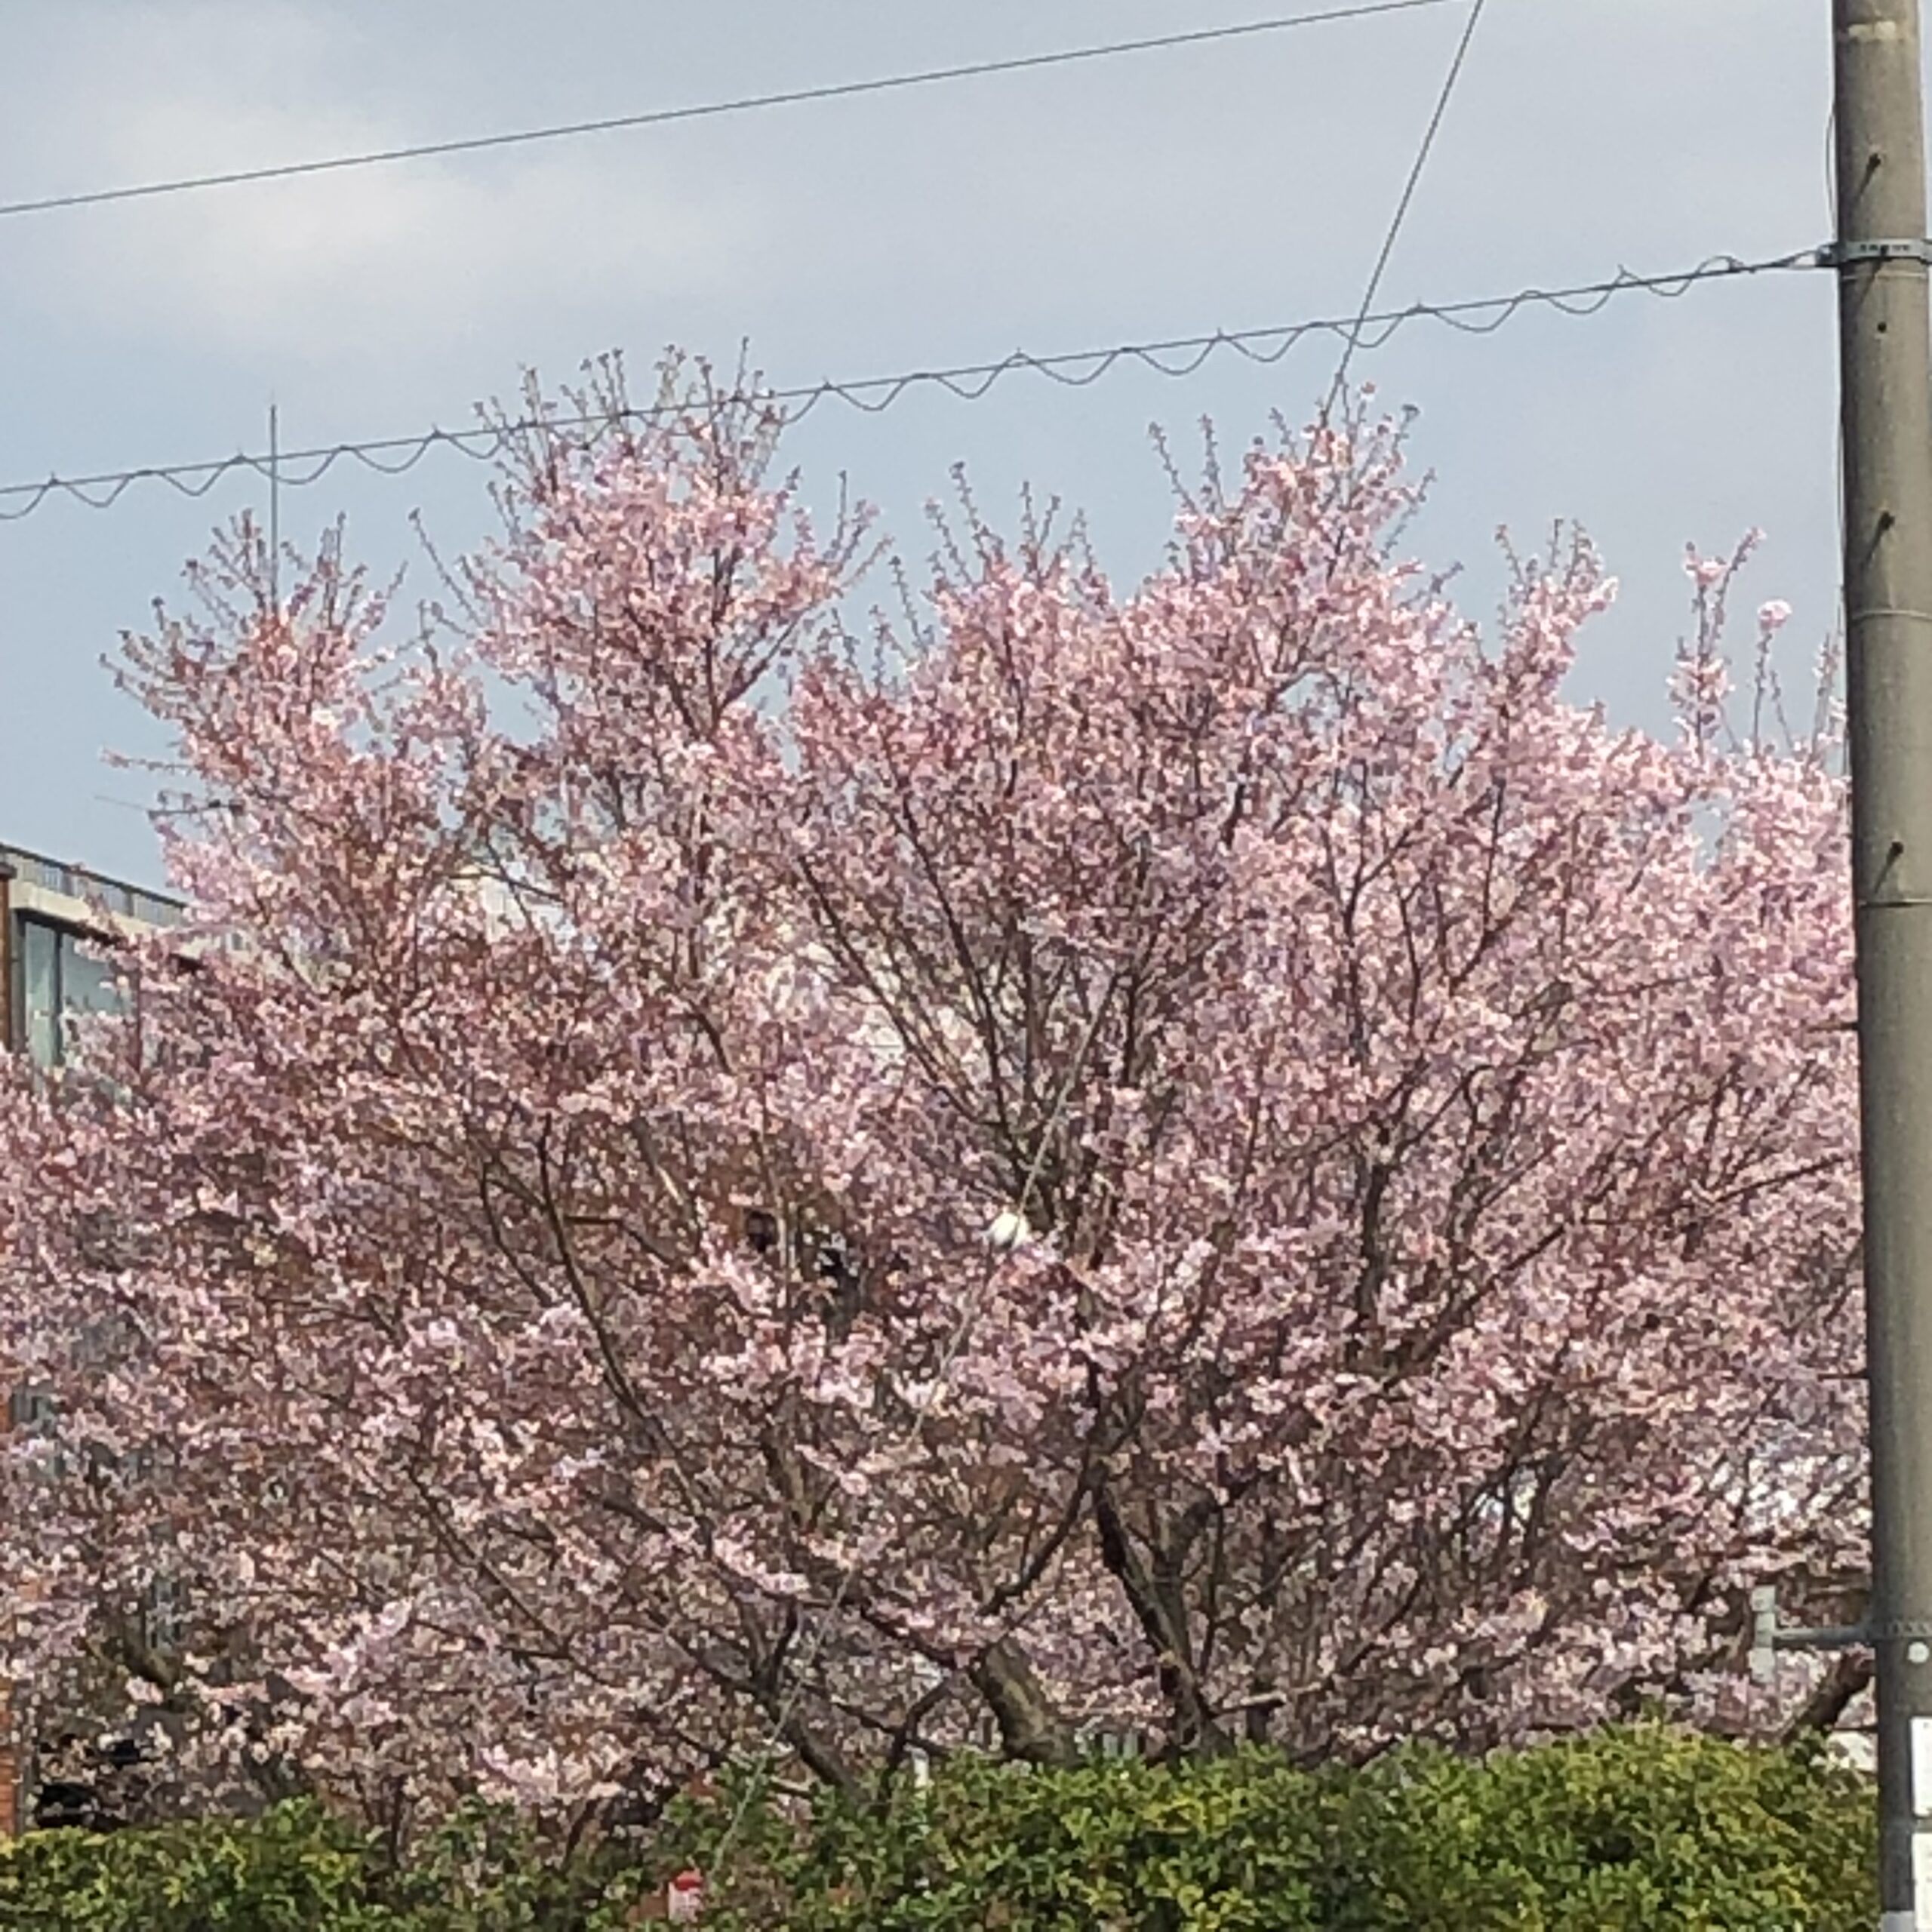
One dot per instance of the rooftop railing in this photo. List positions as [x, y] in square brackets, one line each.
[73, 881]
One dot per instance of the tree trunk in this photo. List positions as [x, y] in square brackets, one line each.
[1030, 1728]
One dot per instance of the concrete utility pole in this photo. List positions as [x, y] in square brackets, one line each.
[1885, 372]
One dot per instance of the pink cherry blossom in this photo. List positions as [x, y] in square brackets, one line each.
[1214, 1156]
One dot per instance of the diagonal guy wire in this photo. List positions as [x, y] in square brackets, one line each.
[1404, 202]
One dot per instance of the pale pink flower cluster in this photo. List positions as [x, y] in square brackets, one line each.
[538, 1211]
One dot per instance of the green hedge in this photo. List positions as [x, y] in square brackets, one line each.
[1633, 1828]
[298, 1870]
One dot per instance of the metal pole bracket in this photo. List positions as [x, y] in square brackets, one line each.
[1842, 255]
[1768, 1636]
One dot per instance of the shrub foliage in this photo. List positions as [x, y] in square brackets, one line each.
[1640, 1828]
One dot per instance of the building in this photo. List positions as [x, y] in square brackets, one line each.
[49, 913]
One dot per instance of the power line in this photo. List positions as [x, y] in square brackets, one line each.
[1174, 356]
[1407, 198]
[1355, 9]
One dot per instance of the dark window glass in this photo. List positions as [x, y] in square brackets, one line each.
[40, 991]
[87, 983]
[58, 979]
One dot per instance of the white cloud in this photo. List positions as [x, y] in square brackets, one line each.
[1156, 194]
[395, 263]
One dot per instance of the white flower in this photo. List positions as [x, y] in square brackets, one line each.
[1009, 1230]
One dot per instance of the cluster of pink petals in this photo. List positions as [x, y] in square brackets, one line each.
[521, 1265]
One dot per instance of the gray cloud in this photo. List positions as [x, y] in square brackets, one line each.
[1156, 195]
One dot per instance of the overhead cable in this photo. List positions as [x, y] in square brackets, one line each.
[1407, 198]
[1172, 356]
[660, 117]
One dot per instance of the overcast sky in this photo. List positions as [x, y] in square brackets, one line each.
[1155, 195]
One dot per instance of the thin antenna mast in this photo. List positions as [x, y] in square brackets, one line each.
[275, 506]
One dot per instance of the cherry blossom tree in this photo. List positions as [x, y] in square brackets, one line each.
[1217, 1158]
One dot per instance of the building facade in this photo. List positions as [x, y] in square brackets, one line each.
[54, 917]
[51, 915]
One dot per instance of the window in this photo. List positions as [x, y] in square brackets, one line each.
[54, 980]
